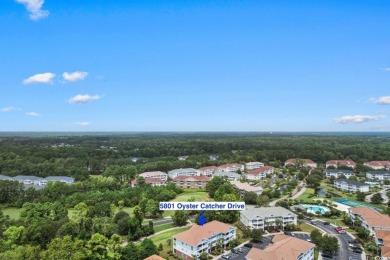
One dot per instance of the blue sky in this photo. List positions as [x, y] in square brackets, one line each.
[194, 65]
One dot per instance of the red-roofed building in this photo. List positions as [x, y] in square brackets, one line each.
[301, 162]
[260, 173]
[337, 163]
[231, 167]
[208, 170]
[151, 181]
[191, 182]
[378, 165]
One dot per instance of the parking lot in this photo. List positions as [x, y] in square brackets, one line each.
[303, 236]
[241, 256]
[345, 251]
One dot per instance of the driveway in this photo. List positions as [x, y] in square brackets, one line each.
[344, 252]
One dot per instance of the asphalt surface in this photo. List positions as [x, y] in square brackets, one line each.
[344, 252]
[264, 243]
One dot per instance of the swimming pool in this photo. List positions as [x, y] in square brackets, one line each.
[314, 209]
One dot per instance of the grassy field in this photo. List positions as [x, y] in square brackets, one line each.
[163, 227]
[13, 213]
[305, 196]
[162, 238]
[199, 196]
[306, 227]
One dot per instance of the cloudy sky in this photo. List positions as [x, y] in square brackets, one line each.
[194, 65]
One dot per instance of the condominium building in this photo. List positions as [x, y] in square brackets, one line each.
[253, 165]
[337, 173]
[351, 185]
[151, 181]
[198, 239]
[369, 219]
[191, 182]
[231, 176]
[208, 170]
[183, 172]
[301, 162]
[284, 247]
[337, 163]
[244, 187]
[378, 165]
[231, 167]
[378, 175]
[263, 217]
[259, 173]
[155, 174]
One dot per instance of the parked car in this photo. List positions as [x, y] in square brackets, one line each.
[313, 222]
[327, 254]
[240, 250]
[235, 250]
[287, 233]
[357, 249]
[326, 223]
[340, 230]
[226, 256]
[248, 245]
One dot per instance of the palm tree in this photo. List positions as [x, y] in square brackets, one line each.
[279, 223]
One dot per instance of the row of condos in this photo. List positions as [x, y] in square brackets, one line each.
[265, 217]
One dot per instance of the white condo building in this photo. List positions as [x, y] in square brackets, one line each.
[262, 217]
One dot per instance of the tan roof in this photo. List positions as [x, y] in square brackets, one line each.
[372, 217]
[154, 257]
[208, 168]
[252, 163]
[385, 251]
[283, 248]
[384, 235]
[260, 170]
[191, 178]
[245, 186]
[294, 160]
[378, 163]
[342, 162]
[156, 173]
[230, 165]
[196, 233]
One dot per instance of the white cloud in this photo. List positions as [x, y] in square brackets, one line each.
[33, 114]
[83, 123]
[7, 109]
[45, 78]
[74, 76]
[35, 8]
[385, 69]
[82, 99]
[357, 119]
[385, 100]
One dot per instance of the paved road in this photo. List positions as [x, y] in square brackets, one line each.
[344, 252]
[295, 192]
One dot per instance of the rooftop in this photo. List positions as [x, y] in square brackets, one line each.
[245, 186]
[197, 233]
[351, 182]
[283, 248]
[372, 217]
[260, 170]
[342, 162]
[252, 212]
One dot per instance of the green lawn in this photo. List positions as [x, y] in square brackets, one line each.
[306, 227]
[199, 196]
[163, 227]
[305, 196]
[163, 237]
[13, 213]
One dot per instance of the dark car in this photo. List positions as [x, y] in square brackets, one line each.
[287, 233]
[357, 250]
[326, 223]
[248, 245]
[235, 250]
[327, 254]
